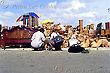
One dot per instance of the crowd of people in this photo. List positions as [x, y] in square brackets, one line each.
[44, 38]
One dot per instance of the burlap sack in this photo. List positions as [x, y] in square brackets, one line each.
[85, 43]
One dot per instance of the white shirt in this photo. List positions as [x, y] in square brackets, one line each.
[38, 39]
[73, 41]
[53, 35]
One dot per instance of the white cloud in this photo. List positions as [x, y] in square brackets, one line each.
[71, 5]
[52, 4]
[91, 14]
[6, 15]
[68, 11]
[76, 4]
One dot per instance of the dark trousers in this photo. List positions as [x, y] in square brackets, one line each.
[75, 49]
[52, 44]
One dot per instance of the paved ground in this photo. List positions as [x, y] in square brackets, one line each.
[27, 61]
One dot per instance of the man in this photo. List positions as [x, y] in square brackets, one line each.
[55, 41]
[38, 39]
[73, 41]
[74, 46]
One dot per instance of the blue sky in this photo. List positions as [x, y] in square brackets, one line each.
[60, 11]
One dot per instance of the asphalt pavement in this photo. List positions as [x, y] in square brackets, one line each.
[28, 61]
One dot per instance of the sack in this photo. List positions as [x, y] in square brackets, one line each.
[58, 39]
[77, 49]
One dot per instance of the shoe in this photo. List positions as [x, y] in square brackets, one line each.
[85, 51]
